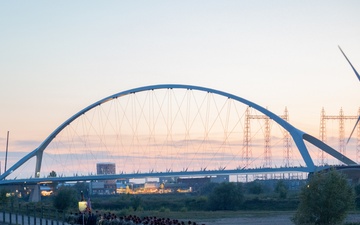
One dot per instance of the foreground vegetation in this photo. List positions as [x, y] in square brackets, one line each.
[329, 193]
[211, 197]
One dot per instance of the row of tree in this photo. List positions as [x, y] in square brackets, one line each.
[326, 198]
[213, 196]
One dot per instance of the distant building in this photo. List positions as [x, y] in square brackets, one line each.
[105, 168]
[105, 187]
[195, 183]
[291, 184]
[220, 179]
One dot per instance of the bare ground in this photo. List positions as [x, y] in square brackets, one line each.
[266, 219]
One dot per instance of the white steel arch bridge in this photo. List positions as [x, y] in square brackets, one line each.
[166, 130]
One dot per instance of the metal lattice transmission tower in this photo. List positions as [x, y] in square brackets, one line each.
[167, 130]
[267, 139]
[358, 140]
[321, 155]
[342, 145]
[247, 151]
[287, 142]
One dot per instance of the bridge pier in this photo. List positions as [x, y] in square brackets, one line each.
[35, 194]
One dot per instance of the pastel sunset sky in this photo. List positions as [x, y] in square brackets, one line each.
[57, 57]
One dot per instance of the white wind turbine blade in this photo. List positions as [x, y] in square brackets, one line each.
[353, 130]
[358, 76]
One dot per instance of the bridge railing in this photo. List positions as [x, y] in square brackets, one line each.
[21, 214]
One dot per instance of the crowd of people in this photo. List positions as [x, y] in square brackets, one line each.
[97, 218]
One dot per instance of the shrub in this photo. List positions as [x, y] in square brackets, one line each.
[65, 198]
[325, 200]
[226, 196]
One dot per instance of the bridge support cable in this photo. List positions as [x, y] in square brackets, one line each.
[227, 132]
[171, 120]
[134, 131]
[188, 124]
[358, 138]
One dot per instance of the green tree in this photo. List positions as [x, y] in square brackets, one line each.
[357, 194]
[52, 174]
[3, 199]
[136, 202]
[65, 197]
[226, 196]
[281, 189]
[82, 187]
[325, 199]
[255, 188]
[53, 185]
[207, 188]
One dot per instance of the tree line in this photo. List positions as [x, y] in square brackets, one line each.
[326, 198]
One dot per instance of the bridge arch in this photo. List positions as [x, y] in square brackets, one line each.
[297, 135]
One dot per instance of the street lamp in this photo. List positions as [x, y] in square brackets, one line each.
[82, 206]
